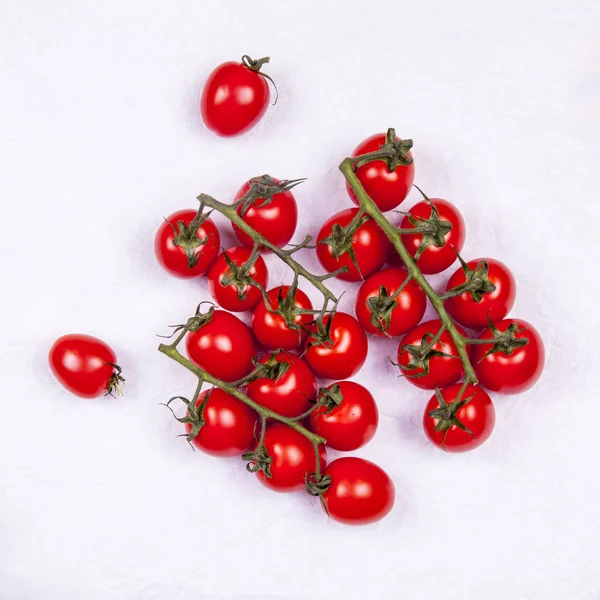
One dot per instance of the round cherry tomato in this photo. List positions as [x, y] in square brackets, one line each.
[382, 314]
[230, 287]
[336, 247]
[85, 365]
[350, 417]
[183, 252]
[386, 188]
[509, 366]
[341, 354]
[293, 459]
[235, 97]
[428, 367]
[287, 387]
[229, 425]
[223, 346]
[360, 491]
[271, 329]
[459, 425]
[472, 309]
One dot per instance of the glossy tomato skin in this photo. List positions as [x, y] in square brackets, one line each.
[496, 304]
[226, 296]
[345, 356]
[271, 330]
[387, 189]
[81, 363]
[369, 243]
[478, 415]
[443, 370]
[224, 347]
[360, 491]
[350, 425]
[410, 303]
[510, 373]
[234, 99]
[173, 259]
[229, 426]
[291, 394]
[293, 458]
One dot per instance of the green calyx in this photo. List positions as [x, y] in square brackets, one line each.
[264, 188]
[258, 460]
[272, 368]
[256, 65]
[477, 281]
[185, 237]
[239, 275]
[395, 153]
[194, 416]
[421, 354]
[340, 239]
[446, 414]
[114, 387]
[330, 397]
[505, 341]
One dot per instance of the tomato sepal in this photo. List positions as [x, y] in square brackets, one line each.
[395, 153]
[115, 381]
[477, 281]
[185, 237]
[446, 414]
[421, 354]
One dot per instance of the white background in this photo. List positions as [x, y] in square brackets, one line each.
[100, 138]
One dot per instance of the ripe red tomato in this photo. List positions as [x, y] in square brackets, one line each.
[343, 353]
[360, 491]
[293, 459]
[386, 188]
[229, 425]
[350, 417]
[287, 387]
[85, 365]
[182, 251]
[235, 97]
[336, 247]
[382, 314]
[229, 285]
[473, 309]
[223, 346]
[459, 426]
[428, 367]
[271, 329]
[509, 367]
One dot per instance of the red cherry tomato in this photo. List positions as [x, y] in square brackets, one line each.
[509, 368]
[350, 418]
[460, 427]
[473, 312]
[175, 241]
[368, 244]
[360, 491]
[223, 346]
[428, 367]
[231, 288]
[343, 354]
[382, 314]
[85, 365]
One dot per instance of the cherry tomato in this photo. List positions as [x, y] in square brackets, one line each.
[350, 417]
[336, 247]
[85, 365]
[360, 491]
[428, 367]
[182, 251]
[231, 287]
[344, 351]
[223, 346]
[287, 387]
[386, 188]
[271, 329]
[380, 313]
[509, 366]
[459, 425]
[473, 309]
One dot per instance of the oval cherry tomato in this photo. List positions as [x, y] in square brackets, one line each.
[473, 309]
[360, 491]
[287, 387]
[85, 365]
[230, 287]
[343, 353]
[459, 424]
[349, 419]
[182, 251]
[380, 313]
[223, 346]
[511, 366]
[336, 246]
